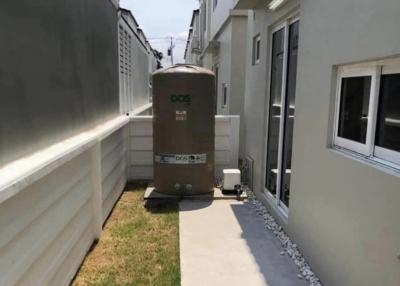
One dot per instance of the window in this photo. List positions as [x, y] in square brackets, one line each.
[216, 71]
[224, 95]
[281, 113]
[203, 14]
[256, 49]
[367, 118]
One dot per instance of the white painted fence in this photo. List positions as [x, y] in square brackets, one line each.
[141, 145]
[54, 202]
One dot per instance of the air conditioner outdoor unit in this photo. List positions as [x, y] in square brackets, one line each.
[231, 179]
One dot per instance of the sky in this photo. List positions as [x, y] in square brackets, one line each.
[161, 19]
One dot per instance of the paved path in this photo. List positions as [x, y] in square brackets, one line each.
[225, 243]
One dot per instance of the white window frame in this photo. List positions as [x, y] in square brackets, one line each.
[275, 199]
[369, 150]
[349, 72]
[380, 152]
[256, 49]
[217, 79]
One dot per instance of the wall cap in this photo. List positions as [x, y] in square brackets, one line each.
[19, 174]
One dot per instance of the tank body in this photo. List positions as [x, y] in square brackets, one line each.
[183, 130]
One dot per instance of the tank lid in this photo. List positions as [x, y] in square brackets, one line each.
[184, 68]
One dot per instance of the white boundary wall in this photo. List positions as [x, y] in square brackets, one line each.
[53, 203]
[141, 145]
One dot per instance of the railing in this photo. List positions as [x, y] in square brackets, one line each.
[54, 202]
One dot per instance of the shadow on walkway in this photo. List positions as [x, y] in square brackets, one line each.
[226, 243]
[277, 270]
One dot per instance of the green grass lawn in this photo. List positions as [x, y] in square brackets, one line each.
[138, 246]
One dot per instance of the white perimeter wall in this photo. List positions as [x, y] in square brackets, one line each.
[141, 145]
[54, 202]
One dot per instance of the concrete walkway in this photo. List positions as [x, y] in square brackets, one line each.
[225, 243]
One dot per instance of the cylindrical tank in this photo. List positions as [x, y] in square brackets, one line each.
[183, 130]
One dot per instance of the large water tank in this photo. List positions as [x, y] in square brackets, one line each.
[183, 130]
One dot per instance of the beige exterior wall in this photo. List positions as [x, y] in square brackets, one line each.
[224, 47]
[193, 46]
[343, 209]
[345, 213]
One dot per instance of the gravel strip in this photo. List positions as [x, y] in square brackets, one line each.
[288, 246]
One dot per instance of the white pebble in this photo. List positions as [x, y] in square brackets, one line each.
[289, 247]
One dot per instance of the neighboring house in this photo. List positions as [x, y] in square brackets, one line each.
[223, 43]
[137, 63]
[217, 41]
[322, 121]
[193, 45]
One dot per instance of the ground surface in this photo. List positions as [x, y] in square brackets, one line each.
[138, 246]
[226, 243]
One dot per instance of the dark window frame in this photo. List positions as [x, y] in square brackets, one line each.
[224, 101]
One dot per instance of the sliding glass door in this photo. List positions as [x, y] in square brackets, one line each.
[282, 111]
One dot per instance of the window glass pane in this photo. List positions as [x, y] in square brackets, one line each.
[274, 110]
[289, 112]
[254, 51]
[258, 49]
[354, 104]
[216, 89]
[225, 94]
[388, 125]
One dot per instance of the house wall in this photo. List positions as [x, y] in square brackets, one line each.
[193, 45]
[219, 15]
[205, 22]
[223, 59]
[229, 29]
[260, 22]
[58, 71]
[196, 42]
[345, 211]
[238, 71]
